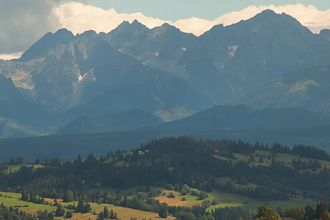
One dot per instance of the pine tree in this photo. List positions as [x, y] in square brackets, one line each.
[106, 212]
[163, 213]
[100, 216]
[59, 211]
[68, 214]
[266, 213]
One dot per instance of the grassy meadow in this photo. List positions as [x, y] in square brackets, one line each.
[10, 199]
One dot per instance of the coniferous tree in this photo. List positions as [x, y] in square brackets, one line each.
[266, 213]
[163, 212]
[59, 211]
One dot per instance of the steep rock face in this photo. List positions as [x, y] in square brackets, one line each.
[231, 61]
[20, 72]
[16, 105]
[268, 61]
[48, 42]
[307, 87]
[161, 47]
[226, 63]
[56, 80]
[76, 70]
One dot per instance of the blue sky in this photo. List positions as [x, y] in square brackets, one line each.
[176, 9]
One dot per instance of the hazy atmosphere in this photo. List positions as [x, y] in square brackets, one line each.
[21, 16]
[174, 110]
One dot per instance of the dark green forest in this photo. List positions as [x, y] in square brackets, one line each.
[257, 171]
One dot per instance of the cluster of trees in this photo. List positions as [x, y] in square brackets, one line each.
[232, 214]
[17, 160]
[174, 161]
[15, 214]
[60, 211]
[266, 213]
[247, 148]
[30, 197]
[319, 212]
[259, 192]
[181, 213]
[10, 213]
[201, 213]
[106, 214]
[313, 165]
[81, 207]
[310, 152]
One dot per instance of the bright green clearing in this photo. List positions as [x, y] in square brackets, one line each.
[16, 167]
[9, 199]
[233, 200]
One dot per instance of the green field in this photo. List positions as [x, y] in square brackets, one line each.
[14, 200]
[234, 200]
[179, 199]
[224, 200]
[10, 199]
[245, 187]
[16, 167]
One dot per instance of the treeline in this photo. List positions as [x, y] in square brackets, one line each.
[310, 152]
[10, 213]
[16, 214]
[319, 212]
[200, 213]
[173, 161]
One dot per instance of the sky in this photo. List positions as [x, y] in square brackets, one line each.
[208, 9]
[22, 22]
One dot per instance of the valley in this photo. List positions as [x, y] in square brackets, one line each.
[149, 122]
[234, 177]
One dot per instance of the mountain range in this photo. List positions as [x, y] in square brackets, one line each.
[136, 78]
[126, 130]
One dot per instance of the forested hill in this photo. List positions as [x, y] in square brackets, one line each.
[200, 176]
[254, 170]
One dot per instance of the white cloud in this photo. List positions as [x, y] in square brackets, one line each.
[22, 24]
[79, 17]
[194, 25]
[308, 15]
[10, 56]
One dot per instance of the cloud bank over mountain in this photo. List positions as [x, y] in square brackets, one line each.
[308, 15]
[22, 22]
[10, 56]
[79, 17]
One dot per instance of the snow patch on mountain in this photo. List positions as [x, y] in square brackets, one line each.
[158, 99]
[232, 50]
[301, 86]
